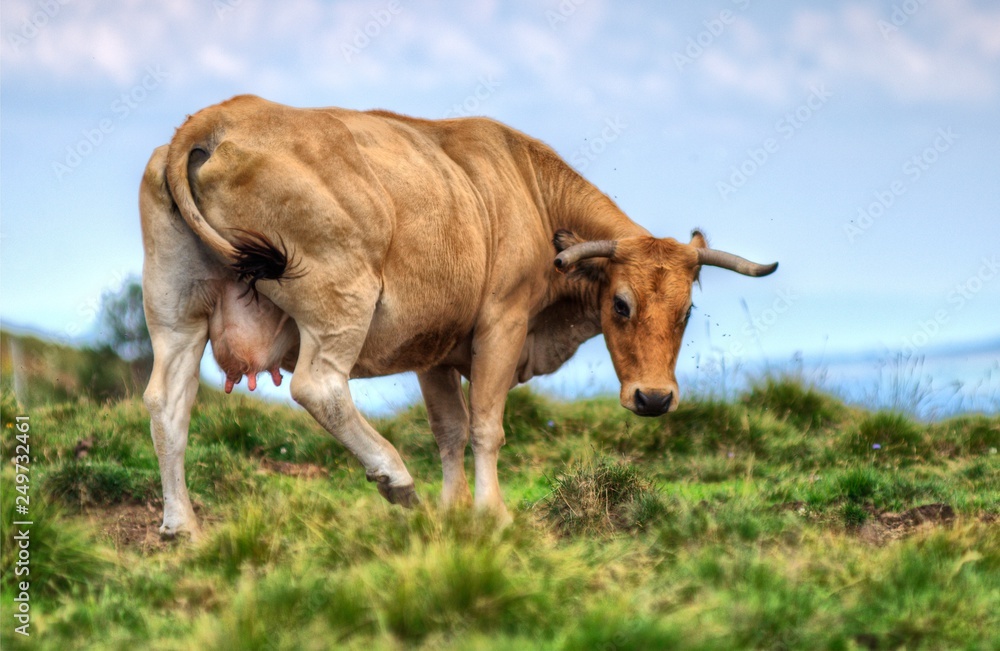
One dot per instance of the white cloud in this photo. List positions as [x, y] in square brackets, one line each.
[914, 61]
[944, 52]
[215, 60]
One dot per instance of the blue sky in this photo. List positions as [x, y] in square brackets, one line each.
[858, 143]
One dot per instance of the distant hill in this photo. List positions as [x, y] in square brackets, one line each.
[40, 372]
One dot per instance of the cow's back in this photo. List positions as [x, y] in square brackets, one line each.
[466, 230]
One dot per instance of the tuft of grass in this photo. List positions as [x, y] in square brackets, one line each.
[804, 407]
[860, 484]
[291, 608]
[889, 434]
[906, 603]
[966, 435]
[441, 588]
[219, 473]
[612, 624]
[83, 483]
[853, 515]
[600, 498]
[252, 539]
[698, 427]
[63, 557]
[527, 416]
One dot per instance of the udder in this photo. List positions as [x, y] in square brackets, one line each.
[249, 336]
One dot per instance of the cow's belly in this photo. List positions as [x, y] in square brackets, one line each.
[433, 281]
[419, 352]
[400, 341]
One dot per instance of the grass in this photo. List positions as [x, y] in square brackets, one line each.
[778, 519]
[601, 498]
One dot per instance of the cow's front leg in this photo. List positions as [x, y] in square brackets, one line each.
[496, 348]
[449, 418]
[171, 391]
[320, 385]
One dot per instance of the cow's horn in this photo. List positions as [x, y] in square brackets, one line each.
[714, 258]
[584, 250]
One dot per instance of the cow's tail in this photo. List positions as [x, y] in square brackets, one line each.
[195, 139]
[251, 254]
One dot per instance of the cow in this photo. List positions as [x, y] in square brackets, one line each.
[337, 244]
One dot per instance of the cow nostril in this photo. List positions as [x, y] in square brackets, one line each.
[653, 403]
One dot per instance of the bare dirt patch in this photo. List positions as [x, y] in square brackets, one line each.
[132, 526]
[884, 527]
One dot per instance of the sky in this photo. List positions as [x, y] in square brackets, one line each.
[857, 143]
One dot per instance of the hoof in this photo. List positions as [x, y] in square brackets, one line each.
[503, 518]
[180, 533]
[405, 496]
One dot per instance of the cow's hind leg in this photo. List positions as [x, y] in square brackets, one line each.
[330, 342]
[177, 353]
[320, 385]
[449, 418]
[176, 287]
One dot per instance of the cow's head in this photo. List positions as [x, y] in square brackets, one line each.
[645, 301]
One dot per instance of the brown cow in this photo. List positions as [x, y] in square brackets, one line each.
[340, 244]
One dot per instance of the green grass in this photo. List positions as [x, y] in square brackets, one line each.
[780, 519]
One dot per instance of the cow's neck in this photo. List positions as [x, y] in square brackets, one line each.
[573, 203]
[571, 313]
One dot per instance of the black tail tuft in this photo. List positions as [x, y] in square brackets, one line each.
[260, 259]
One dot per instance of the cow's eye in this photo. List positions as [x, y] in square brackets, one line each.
[621, 307]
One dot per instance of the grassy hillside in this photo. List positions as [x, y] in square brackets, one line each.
[40, 372]
[782, 519]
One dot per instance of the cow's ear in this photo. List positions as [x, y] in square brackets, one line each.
[563, 239]
[698, 241]
[591, 269]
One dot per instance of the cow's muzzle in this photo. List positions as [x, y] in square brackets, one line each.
[652, 403]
